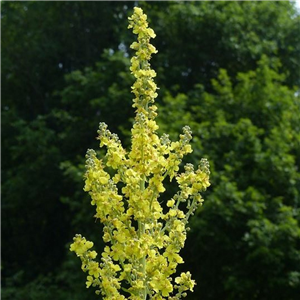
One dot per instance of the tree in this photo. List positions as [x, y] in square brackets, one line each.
[35, 171]
[198, 38]
[247, 234]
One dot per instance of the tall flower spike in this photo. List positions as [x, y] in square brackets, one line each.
[143, 240]
[144, 88]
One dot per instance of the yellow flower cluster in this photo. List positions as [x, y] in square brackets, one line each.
[143, 239]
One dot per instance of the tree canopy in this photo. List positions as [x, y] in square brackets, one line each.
[228, 69]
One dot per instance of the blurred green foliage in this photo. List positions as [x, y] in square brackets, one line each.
[246, 236]
[230, 70]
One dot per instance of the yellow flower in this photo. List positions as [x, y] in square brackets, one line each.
[80, 245]
[143, 238]
[171, 203]
[89, 282]
[92, 254]
[94, 269]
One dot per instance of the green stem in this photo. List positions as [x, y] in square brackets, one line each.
[141, 231]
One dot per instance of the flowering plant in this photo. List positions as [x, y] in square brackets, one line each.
[143, 239]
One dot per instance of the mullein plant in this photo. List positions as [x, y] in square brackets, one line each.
[143, 238]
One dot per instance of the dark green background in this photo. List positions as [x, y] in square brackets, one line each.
[230, 70]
